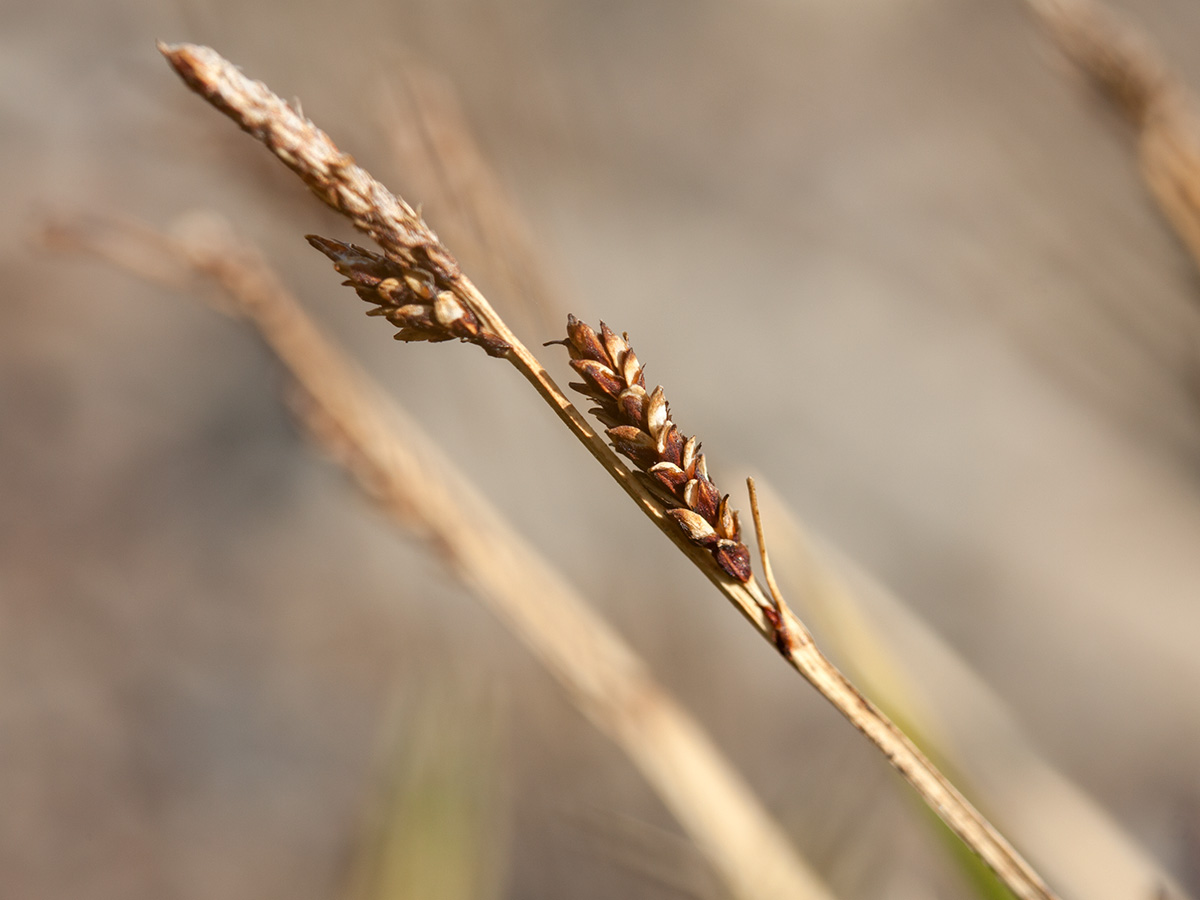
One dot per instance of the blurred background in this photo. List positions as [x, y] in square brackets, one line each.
[895, 257]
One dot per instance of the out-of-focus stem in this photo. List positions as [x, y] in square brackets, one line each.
[393, 461]
[1130, 70]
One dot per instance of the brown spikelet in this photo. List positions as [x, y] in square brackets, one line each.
[640, 428]
[407, 296]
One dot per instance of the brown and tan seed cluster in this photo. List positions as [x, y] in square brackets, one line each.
[640, 427]
[408, 297]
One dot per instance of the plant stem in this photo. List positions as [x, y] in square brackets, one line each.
[404, 237]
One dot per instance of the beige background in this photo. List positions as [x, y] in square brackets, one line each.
[895, 256]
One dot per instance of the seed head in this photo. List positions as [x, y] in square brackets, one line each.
[638, 423]
[408, 297]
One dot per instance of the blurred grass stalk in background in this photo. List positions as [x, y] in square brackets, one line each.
[435, 826]
[415, 485]
[1130, 71]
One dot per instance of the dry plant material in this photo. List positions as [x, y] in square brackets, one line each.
[1129, 70]
[408, 297]
[640, 428]
[959, 716]
[431, 140]
[434, 150]
[331, 174]
[432, 143]
[407, 241]
[411, 480]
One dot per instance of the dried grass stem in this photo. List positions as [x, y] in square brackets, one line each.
[406, 240]
[1131, 72]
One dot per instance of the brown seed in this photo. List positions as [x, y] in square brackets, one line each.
[419, 286]
[688, 456]
[671, 445]
[725, 519]
[583, 341]
[635, 444]
[707, 499]
[632, 403]
[615, 345]
[695, 525]
[604, 379]
[631, 370]
[734, 558]
[447, 309]
[670, 475]
[656, 413]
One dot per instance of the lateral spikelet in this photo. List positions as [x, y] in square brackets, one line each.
[408, 297]
[638, 423]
